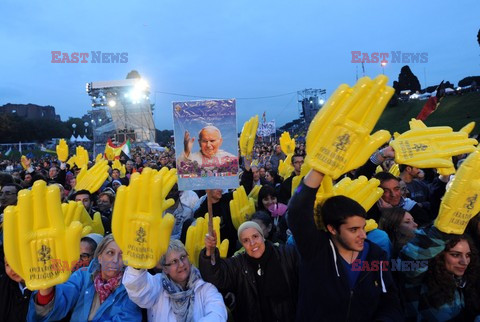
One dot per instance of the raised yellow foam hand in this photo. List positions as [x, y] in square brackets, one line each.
[62, 150]
[93, 178]
[461, 202]
[395, 170]
[254, 193]
[287, 144]
[285, 168]
[36, 238]
[430, 147]
[120, 167]
[297, 179]
[26, 162]
[81, 157]
[72, 211]
[338, 139]
[241, 207]
[109, 153]
[247, 137]
[137, 224]
[99, 158]
[451, 170]
[365, 192]
[195, 234]
[371, 224]
[71, 161]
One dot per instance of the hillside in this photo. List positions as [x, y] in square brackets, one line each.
[454, 111]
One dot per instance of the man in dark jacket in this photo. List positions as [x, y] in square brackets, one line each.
[343, 276]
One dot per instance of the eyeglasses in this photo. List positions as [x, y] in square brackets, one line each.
[177, 261]
[85, 256]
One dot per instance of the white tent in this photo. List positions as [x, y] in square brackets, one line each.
[73, 139]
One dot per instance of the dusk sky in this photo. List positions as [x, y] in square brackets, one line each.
[227, 49]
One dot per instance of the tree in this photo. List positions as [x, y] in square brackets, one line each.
[406, 80]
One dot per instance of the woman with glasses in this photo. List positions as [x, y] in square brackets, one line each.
[95, 294]
[177, 294]
[264, 279]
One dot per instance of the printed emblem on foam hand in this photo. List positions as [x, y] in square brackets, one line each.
[36, 238]
[137, 224]
[338, 139]
[194, 242]
[93, 178]
[431, 147]
[287, 144]
[247, 137]
[62, 150]
[461, 201]
[240, 207]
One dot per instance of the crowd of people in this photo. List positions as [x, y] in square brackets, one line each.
[281, 266]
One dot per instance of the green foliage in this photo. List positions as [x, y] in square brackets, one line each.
[15, 129]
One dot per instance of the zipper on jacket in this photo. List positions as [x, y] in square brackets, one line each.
[349, 305]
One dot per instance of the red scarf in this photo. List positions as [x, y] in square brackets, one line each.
[105, 288]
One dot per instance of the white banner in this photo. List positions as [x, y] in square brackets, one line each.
[266, 129]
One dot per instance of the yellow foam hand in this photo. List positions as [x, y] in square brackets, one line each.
[325, 191]
[62, 150]
[338, 139]
[26, 162]
[99, 158]
[137, 224]
[287, 144]
[371, 224]
[81, 157]
[254, 193]
[195, 234]
[36, 239]
[71, 161]
[93, 178]
[430, 147]
[285, 168]
[378, 169]
[297, 179]
[109, 153]
[241, 207]
[120, 167]
[461, 201]
[247, 137]
[365, 192]
[72, 211]
[451, 170]
[395, 170]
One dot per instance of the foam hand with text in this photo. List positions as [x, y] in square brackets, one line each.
[247, 137]
[62, 150]
[461, 201]
[338, 139]
[36, 238]
[137, 224]
[241, 206]
[194, 242]
[430, 147]
[287, 144]
[93, 178]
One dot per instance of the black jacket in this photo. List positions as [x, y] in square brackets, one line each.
[236, 276]
[13, 304]
[324, 290]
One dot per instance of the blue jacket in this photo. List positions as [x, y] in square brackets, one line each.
[77, 294]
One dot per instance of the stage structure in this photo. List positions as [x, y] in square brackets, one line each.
[128, 113]
[311, 100]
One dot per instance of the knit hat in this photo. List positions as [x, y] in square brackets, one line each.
[96, 238]
[249, 224]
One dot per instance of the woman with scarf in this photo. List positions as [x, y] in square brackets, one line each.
[177, 294]
[268, 202]
[92, 294]
[264, 279]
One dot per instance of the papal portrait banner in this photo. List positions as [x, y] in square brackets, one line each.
[206, 144]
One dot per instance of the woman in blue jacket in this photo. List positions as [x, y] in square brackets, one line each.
[92, 294]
